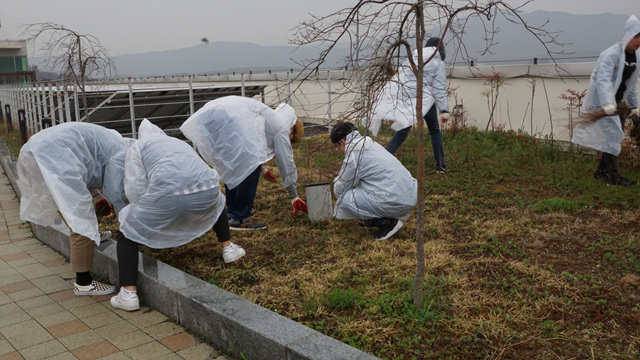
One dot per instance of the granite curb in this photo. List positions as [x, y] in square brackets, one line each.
[228, 321]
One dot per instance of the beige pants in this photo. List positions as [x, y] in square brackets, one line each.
[81, 251]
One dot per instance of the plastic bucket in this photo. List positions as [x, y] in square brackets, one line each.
[319, 201]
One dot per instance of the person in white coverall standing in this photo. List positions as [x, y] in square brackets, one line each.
[60, 169]
[372, 184]
[613, 81]
[236, 135]
[397, 101]
[174, 198]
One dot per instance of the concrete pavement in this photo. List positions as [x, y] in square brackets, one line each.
[41, 318]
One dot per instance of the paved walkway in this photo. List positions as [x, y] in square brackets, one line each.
[41, 318]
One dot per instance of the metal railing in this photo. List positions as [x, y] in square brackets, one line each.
[132, 99]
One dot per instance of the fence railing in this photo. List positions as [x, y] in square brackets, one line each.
[171, 99]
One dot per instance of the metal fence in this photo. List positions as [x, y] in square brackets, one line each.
[123, 103]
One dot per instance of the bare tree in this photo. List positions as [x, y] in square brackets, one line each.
[381, 32]
[78, 57]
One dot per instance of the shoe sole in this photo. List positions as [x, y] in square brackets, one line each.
[90, 293]
[392, 232]
[245, 229]
[126, 308]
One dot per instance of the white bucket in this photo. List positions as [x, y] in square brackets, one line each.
[319, 201]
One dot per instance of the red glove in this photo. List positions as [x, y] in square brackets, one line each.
[298, 205]
[103, 208]
[267, 174]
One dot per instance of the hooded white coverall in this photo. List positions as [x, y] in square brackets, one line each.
[59, 166]
[237, 134]
[606, 134]
[372, 183]
[174, 195]
[397, 100]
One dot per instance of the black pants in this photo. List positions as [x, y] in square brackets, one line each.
[127, 251]
[608, 162]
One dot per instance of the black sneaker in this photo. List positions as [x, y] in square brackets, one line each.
[388, 229]
[442, 169]
[622, 181]
[248, 224]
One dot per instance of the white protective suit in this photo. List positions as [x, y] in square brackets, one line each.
[607, 133]
[372, 183]
[59, 166]
[175, 196]
[397, 100]
[237, 134]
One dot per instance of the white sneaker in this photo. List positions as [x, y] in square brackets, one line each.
[130, 304]
[105, 235]
[232, 253]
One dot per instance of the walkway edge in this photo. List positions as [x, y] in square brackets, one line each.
[228, 321]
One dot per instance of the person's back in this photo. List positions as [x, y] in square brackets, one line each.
[385, 188]
[163, 155]
[175, 196]
[229, 133]
[380, 172]
[58, 166]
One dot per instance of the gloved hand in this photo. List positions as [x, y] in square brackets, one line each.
[298, 205]
[634, 112]
[609, 109]
[267, 174]
[103, 208]
[443, 117]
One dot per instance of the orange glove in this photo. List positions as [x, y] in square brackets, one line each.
[103, 208]
[298, 205]
[267, 175]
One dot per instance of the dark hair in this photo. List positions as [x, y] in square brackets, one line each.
[433, 42]
[341, 131]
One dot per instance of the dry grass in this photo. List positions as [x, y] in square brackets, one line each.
[528, 257]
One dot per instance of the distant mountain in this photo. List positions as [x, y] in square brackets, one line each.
[220, 56]
[585, 37]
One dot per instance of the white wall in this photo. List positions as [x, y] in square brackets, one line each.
[513, 110]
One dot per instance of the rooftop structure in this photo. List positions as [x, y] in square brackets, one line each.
[14, 67]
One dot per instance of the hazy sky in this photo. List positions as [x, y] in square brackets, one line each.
[133, 26]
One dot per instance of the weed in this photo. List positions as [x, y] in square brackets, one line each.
[341, 299]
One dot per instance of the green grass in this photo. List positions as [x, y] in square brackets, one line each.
[527, 256]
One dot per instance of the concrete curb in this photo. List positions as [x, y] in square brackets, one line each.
[228, 321]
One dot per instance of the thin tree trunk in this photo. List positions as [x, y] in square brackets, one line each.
[533, 93]
[419, 276]
[82, 81]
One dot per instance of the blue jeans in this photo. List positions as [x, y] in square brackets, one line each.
[240, 199]
[431, 119]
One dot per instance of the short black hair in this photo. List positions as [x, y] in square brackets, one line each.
[433, 42]
[341, 131]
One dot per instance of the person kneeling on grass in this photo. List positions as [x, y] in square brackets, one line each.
[174, 198]
[372, 184]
